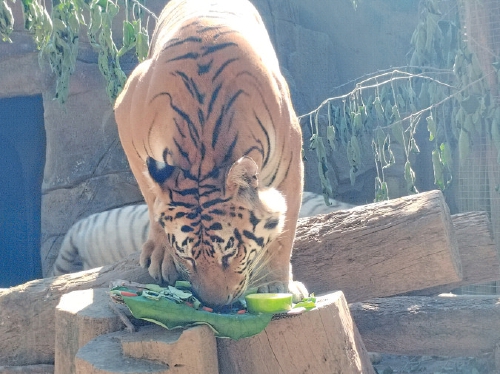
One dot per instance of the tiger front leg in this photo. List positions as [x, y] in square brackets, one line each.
[156, 256]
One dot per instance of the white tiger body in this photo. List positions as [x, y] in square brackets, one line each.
[107, 237]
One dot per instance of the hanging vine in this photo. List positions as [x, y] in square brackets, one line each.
[443, 84]
[57, 35]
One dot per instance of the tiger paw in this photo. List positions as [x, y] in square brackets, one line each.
[297, 289]
[158, 262]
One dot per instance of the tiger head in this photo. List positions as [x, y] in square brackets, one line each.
[218, 235]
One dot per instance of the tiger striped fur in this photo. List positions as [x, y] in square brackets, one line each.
[107, 237]
[209, 130]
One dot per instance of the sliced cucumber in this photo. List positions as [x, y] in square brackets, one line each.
[268, 302]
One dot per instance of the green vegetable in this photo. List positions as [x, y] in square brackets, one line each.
[307, 303]
[269, 302]
[182, 284]
[170, 314]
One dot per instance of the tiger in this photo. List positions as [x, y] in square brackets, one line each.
[102, 239]
[211, 136]
[107, 237]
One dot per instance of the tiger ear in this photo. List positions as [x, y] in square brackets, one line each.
[159, 171]
[242, 175]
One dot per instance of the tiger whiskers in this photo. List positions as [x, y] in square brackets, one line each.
[258, 268]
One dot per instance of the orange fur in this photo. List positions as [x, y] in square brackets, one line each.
[213, 111]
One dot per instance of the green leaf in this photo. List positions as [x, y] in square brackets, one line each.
[378, 108]
[438, 170]
[307, 302]
[470, 104]
[446, 155]
[381, 191]
[431, 126]
[330, 136]
[128, 35]
[142, 45]
[358, 123]
[410, 178]
[170, 315]
[6, 21]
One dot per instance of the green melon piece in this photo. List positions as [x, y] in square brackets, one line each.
[269, 302]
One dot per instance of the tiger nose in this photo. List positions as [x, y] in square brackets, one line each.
[216, 297]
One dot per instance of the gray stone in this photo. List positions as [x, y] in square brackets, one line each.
[320, 45]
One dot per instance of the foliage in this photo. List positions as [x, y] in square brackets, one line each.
[57, 35]
[443, 84]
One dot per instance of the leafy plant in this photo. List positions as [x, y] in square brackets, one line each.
[57, 35]
[443, 88]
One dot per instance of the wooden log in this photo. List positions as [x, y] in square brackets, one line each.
[453, 326]
[27, 312]
[323, 340]
[368, 251]
[80, 317]
[383, 249]
[152, 349]
[30, 369]
[478, 253]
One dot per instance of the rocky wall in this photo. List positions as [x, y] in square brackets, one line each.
[321, 44]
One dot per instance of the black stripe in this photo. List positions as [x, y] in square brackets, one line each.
[182, 151]
[201, 117]
[199, 96]
[254, 148]
[215, 93]
[178, 127]
[210, 192]
[216, 131]
[233, 99]
[266, 134]
[230, 150]
[187, 174]
[217, 47]
[193, 131]
[72, 253]
[205, 68]
[191, 127]
[278, 167]
[238, 237]
[191, 86]
[251, 236]
[210, 203]
[185, 80]
[195, 39]
[215, 227]
[271, 223]
[187, 56]
[206, 28]
[213, 174]
[218, 212]
[254, 220]
[186, 192]
[288, 168]
[222, 67]
[182, 204]
[203, 152]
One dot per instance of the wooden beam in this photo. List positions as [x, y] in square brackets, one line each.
[382, 249]
[454, 326]
[478, 253]
[27, 312]
[367, 252]
[323, 340]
